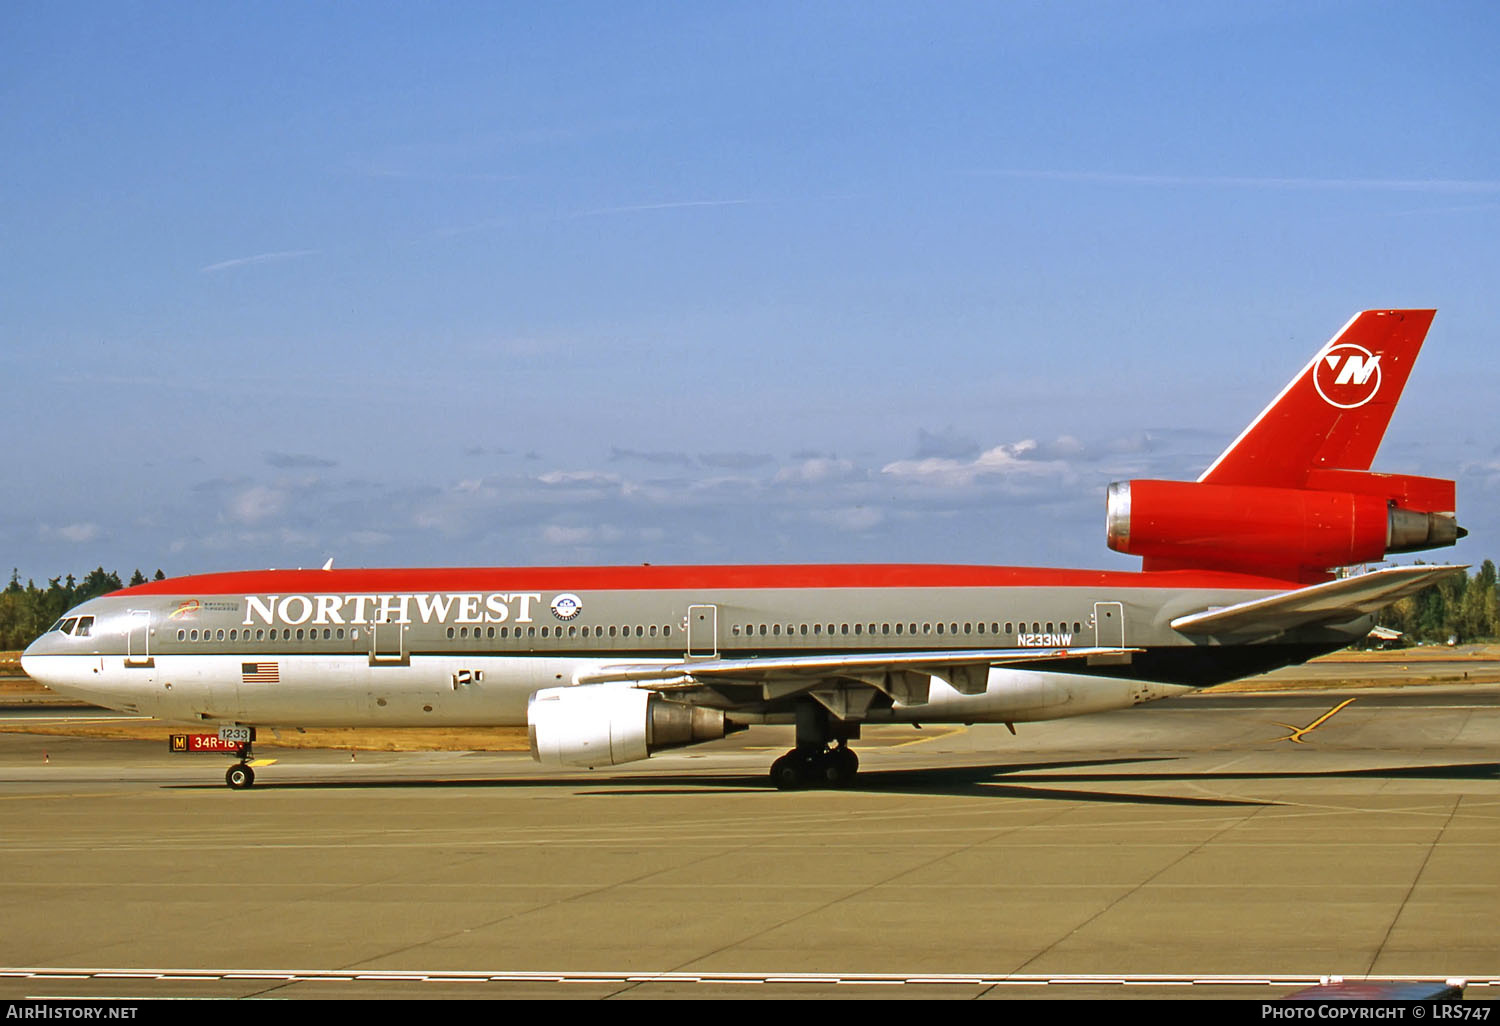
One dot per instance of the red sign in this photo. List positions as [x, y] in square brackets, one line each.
[202, 743]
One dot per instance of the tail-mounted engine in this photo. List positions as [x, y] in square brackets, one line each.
[607, 724]
[1342, 518]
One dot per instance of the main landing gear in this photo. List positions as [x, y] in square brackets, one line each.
[240, 775]
[822, 757]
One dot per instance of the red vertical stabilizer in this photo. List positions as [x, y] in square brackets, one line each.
[1294, 495]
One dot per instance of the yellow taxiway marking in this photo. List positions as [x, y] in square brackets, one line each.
[262, 762]
[1299, 734]
[934, 737]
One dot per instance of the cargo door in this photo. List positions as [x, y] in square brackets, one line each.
[1109, 624]
[703, 632]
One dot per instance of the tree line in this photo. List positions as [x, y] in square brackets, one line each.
[27, 610]
[1460, 606]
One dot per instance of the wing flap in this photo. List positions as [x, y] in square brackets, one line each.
[1330, 602]
[820, 667]
[905, 676]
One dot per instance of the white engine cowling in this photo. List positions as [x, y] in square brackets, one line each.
[607, 724]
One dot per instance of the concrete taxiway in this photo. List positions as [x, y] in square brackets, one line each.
[1250, 843]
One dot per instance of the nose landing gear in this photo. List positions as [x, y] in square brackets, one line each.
[240, 775]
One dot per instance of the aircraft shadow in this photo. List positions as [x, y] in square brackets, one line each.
[1036, 780]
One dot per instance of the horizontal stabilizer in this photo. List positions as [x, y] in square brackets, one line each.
[1330, 602]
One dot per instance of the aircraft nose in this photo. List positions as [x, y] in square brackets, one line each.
[29, 659]
[32, 661]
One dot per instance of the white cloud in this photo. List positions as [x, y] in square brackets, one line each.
[816, 470]
[849, 518]
[1002, 460]
[255, 504]
[76, 533]
[259, 258]
[575, 477]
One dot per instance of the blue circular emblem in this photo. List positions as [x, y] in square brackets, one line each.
[567, 606]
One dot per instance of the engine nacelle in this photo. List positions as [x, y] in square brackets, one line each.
[607, 724]
[1252, 529]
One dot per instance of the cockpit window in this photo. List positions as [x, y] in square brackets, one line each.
[85, 626]
[67, 625]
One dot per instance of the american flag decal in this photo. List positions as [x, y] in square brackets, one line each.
[259, 673]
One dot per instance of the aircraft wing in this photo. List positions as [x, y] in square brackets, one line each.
[905, 676]
[1330, 602]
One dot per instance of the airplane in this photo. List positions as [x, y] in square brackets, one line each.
[607, 665]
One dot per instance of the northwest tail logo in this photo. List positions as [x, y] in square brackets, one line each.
[1347, 376]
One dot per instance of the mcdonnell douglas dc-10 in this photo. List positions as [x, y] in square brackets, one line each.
[606, 665]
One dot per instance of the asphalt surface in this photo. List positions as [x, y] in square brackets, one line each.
[1207, 846]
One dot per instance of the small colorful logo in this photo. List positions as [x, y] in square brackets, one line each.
[187, 607]
[567, 606]
[1347, 376]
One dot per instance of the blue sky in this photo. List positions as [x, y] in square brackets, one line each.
[571, 283]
